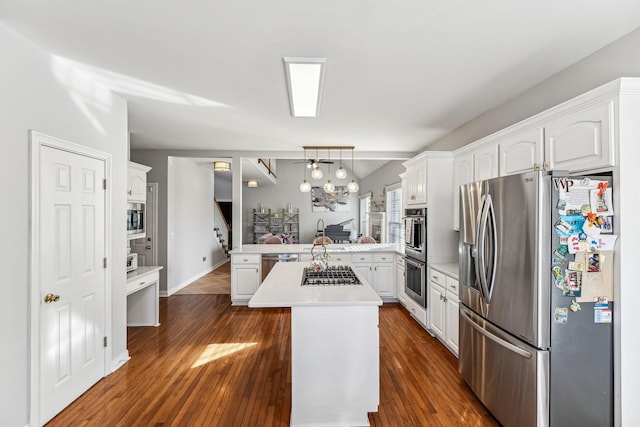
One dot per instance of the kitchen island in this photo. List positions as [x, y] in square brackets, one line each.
[335, 355]
[250, 264]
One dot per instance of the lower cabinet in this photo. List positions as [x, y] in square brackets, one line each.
[443, 309]
[143, 292]
[379, 269]
[245, 277]
[402, 297]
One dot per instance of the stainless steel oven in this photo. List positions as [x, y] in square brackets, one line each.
[415, 221]
[415, 281]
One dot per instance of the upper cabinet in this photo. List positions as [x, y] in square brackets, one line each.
[581, 140]
[485, 162]
[416, 181]
[521, 152]
[137, 182]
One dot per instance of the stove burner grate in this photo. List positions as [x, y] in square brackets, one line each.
[339, 275]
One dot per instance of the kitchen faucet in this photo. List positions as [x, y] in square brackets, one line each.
[318, 225]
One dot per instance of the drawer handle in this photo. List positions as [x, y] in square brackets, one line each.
[245, 260]
[141, 283]
[453, 286]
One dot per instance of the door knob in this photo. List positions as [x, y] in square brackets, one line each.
[49, 298]
[148, 247]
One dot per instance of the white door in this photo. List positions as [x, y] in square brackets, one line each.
[72, 277]
[146, 246]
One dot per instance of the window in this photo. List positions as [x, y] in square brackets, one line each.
[394, 214]
[365, 208]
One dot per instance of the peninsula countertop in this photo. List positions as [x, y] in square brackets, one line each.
[306, 248]
[282, 288]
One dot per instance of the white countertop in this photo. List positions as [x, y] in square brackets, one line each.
[448, 269]
[303, 248]
[282, 288]
[141, 271]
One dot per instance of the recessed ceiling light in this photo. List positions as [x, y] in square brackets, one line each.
[305, 77]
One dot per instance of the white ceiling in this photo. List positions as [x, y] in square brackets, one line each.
[209, 75]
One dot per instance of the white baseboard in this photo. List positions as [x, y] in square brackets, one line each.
[120, 360]
[187, 282]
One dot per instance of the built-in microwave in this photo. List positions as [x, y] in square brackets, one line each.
[135, 219]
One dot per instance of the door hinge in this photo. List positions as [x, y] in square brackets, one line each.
[104, 263]
[104, 342]
[104, 184]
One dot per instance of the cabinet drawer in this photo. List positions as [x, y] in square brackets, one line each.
[246, 258]
[384, 257]
[452, 284]
[338, 257]
[437, 277]
[142, 282]
[362, 258]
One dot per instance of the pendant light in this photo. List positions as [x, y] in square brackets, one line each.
[316, 173]
[353, 186]
[341, 173]
[328, 186]
[305, 187]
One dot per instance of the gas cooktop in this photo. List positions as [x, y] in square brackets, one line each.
[339, 275]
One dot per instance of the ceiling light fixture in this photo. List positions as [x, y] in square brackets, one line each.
[317, 172]
[341, 173]
[252, 183]
[353, 186]
[328, 186]
[221, 166]
[305, 187]
[305, 78]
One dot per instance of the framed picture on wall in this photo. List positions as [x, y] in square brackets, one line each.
[321, 201]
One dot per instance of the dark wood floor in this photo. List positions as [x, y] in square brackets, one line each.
[210, 364]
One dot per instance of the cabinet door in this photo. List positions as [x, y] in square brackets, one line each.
[246, 279]
[485, 162]
[421, 182]
[436, 310]
[365, 270]
[462, 174]
[522, 152]
[400, 281]
[384, 279]
[136, 185]
[451, 322]
[582, 140]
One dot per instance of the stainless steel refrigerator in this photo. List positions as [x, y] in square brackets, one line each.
[527, 368]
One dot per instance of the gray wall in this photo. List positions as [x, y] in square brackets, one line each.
[290, 175]
[377, 181]
[45, 94]
[190, 186]
[619, 59]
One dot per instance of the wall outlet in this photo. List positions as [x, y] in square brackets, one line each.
[204, 258]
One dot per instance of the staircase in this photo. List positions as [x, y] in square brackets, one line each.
[222, 229]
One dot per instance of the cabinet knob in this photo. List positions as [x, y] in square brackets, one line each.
[545, 165]
[536, 167]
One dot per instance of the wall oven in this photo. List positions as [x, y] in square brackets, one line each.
[135, 219]
[415, 252]
[415, 281]
[415, 222]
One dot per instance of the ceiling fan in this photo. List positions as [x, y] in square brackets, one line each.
[310, 162]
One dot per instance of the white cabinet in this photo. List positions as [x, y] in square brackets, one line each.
[443, 308]
[522, 152]
[462, 174]
[245, 277]
[400, 279]
[416, 181]
[379, 270]
[137, 182]
[581, 140]
[143, 292]
[485, 161]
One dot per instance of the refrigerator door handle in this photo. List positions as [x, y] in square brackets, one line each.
[496, 339]
[477, 248]
[481, 267]
[491, 215]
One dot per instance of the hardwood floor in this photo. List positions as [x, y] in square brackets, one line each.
[216, 282]
[210, 364]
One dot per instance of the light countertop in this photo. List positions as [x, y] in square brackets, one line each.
[141, 271]
[282, 288]
[306, 248]
[450, 269]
